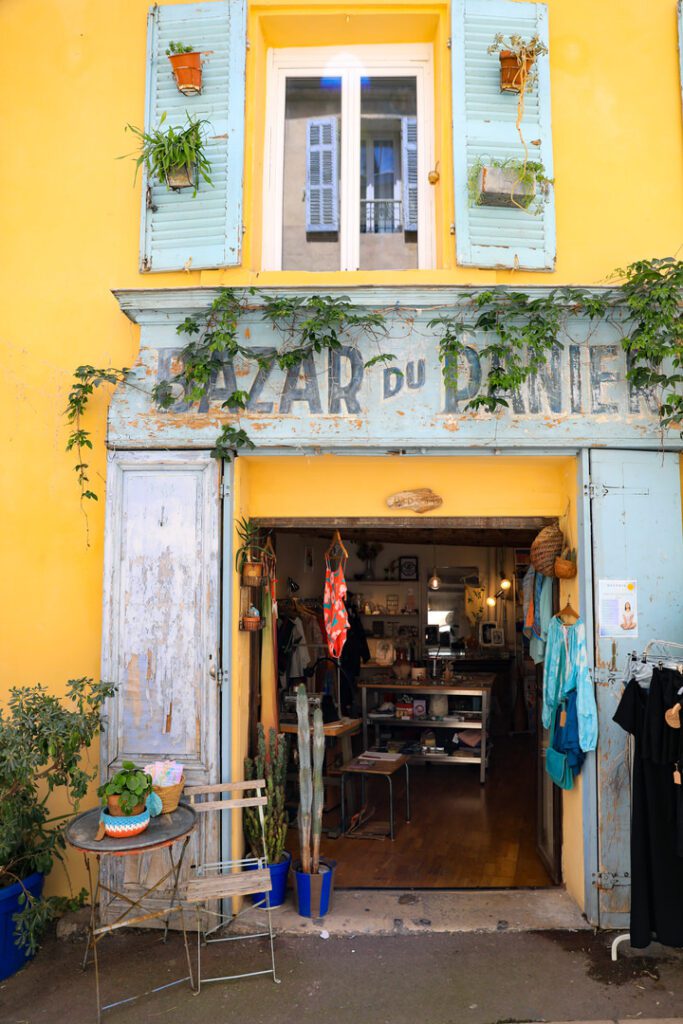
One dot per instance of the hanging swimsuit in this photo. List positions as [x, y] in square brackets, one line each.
[334, 611]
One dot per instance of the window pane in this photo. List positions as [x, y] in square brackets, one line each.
[310, 228]
[388, 174]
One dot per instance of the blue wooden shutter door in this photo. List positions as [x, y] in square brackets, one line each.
[637, 535]
[409, 172]
[322, 175]
[179, 231]
[484, 128]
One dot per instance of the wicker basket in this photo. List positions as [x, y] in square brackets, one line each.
[546, 548]
[169, 795]
[565, 568]
[252, 574]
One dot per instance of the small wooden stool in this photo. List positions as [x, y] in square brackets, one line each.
[366, 765]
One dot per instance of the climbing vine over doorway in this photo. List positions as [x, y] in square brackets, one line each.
[521, 331]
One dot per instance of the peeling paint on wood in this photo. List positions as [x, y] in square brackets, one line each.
[333, 400]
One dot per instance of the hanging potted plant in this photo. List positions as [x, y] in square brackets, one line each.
[125, 796]
[507, 183]
[174, 155]
[271, 765]
[187, 67]
[249, 555]
[42, 738]
[517, 59]
[313, 874]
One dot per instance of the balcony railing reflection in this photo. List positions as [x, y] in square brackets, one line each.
[381, 216]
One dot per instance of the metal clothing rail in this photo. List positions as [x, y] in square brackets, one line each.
[634, 656]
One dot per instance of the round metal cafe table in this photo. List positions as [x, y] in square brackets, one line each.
[163, 833]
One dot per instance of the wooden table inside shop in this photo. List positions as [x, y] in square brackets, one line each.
[465, 685]
[343, 730]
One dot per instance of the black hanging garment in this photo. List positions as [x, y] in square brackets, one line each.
[656, 866]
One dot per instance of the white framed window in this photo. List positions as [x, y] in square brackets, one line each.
[348, 149]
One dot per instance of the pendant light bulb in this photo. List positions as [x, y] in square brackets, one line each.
[491, 602]
[505, 583]
[434, 582]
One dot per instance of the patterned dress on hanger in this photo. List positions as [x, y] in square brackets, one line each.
[334, 610]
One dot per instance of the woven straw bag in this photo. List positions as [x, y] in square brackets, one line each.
[545, 549]
[170, 795]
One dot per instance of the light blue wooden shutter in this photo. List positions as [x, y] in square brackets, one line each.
[484, 128]
[409, 172]
[180, 231]
[322, 175]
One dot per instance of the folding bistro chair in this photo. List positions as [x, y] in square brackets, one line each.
[226, 879]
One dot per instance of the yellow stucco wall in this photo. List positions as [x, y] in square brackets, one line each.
[69, 223]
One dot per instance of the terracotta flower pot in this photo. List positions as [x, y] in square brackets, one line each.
[187, 71]
[513, 71]
[251, 623]
[114, 808]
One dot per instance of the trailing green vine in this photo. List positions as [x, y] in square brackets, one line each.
[521, 332]
[652, 291]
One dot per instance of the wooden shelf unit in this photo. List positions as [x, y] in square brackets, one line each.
[473, 685]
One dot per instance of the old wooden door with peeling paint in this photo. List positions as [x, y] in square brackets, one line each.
[161, 629]
[637, 535]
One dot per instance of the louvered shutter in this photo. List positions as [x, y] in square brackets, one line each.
[484, 128]
[178, 230]
[409, 172]
[322, 175]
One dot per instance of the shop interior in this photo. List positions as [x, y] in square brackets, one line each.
[436, 667]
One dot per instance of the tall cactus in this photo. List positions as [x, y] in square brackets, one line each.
[269, 764]
[318, 789]
[305, 779]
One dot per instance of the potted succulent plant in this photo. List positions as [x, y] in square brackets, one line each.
[313, 874]
[42, 738]
[270, 764]
[174, 155]
[248, 557]
[125, 796]
[517, 59]
[187, 67]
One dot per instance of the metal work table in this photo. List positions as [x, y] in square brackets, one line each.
[469, 685]
[162, 833]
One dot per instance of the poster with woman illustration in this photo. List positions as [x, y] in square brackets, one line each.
[618, 608]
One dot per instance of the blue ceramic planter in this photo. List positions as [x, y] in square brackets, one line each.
[314, 892]
[278, 876]
[13, 957]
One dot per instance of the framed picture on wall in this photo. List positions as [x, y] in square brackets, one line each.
[407, 567]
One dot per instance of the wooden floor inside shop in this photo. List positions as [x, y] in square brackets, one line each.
[462, 834]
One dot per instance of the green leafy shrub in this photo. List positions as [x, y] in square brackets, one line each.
[42, 738]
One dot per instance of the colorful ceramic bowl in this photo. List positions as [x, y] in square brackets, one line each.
[123, 827]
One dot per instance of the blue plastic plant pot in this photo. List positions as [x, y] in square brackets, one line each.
[314, 892]
[278, 877]
[12, 956]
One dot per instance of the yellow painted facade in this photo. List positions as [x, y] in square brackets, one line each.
[69, 224]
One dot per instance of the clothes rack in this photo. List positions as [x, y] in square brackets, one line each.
[634, 657]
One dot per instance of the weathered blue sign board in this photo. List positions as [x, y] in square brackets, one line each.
[581, 398]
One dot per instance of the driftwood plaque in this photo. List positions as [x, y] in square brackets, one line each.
[420, 500]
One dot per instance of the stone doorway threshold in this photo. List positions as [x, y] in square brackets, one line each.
[400, 912]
